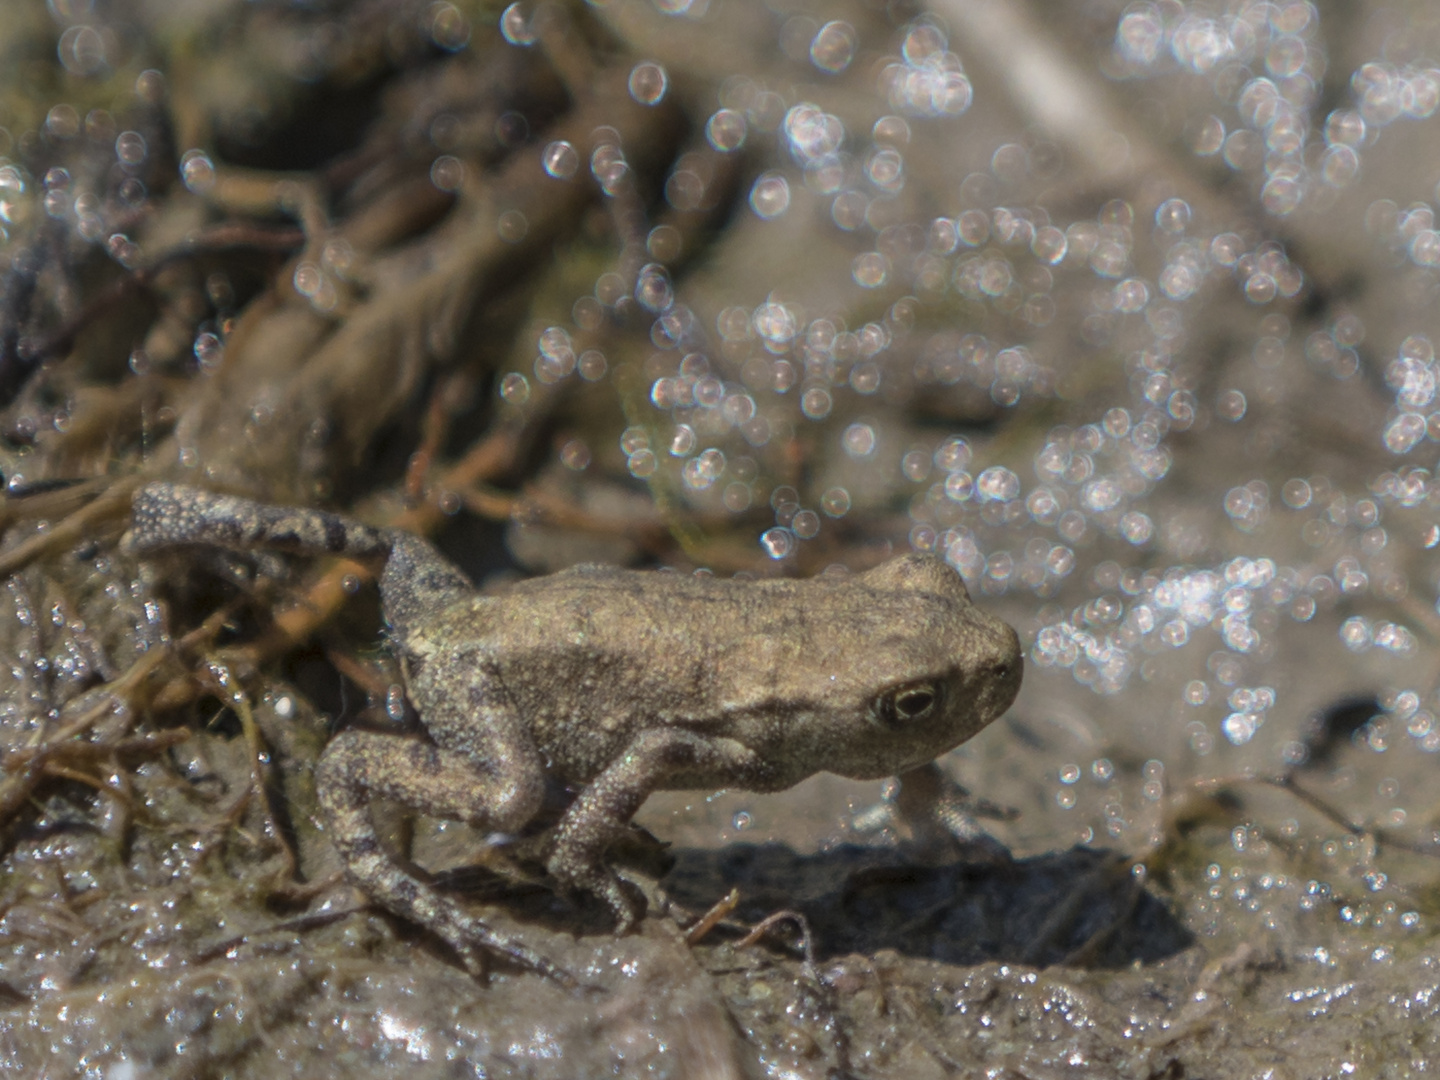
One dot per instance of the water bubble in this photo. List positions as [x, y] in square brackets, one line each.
[816, 403]
[633, 439]
[197, 171]
[1240, 727]
[915, 465]
[560, 160]
[776, 323]
[1230, 405]
[708, 391]
[1049, 244]
[1260, 288]
[652, 288]
[859, 441]
[516, 26]
[849, 209]
[1131, 296]
[813, 135]
[1210, 137]
[130, 148]
[1136, 527]
[1140, 35]
[870, 270]
[737, 496]
[1226, 249]
[683, 443]
[307, 279]
[930, 81]
[575, 455]
[642, 463]
[648, 82]
[726, 130]
[209, 351]
[777, 542]
[1404, 432]
[865, 377]
[449, 29]
[515, 388]
[701, 472]
[806, 524]
[557, 357]
[835, 502]
[82, 50]
[1109, 258]
[998, 484]
[959, 486]
[834, 47]
[1339, 166]
[447, 173]
[741, 820]
[511, 226]
[784, 500]
[1357, 634]
[1172, 216]
[885, 168]
[609, 167]
[954, 453]
[1282, 194]
[770, 196]
[1181, 278]
[1296, 494]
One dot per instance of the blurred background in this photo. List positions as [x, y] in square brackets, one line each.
[1125, 310]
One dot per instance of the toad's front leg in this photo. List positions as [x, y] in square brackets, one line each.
[498, 789]
[656, 759]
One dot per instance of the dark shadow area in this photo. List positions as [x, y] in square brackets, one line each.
[1081, 907]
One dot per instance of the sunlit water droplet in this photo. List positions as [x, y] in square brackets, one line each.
[834, 47]
[870, 270]
[447, 173]
[449, 29]
[648, 82]
[642, 463]
[515, 25]
[770, 196]
[560, 160]
[816, 403]
[777, 542]
[209, 351]
[515, 388]
[197, 171]
[1230, 405]
[130, 148]
[726, 130]
[998, 484]
[859, 441]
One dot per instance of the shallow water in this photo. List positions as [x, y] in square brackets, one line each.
[1127, 311]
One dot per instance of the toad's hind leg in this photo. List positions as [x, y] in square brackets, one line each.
[417, 579]
[359, 766]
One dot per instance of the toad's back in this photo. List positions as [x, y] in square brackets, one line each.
[593, 655]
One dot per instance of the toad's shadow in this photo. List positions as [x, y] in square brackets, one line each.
[1081, 907]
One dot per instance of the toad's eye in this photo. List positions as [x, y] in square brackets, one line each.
[907, 704]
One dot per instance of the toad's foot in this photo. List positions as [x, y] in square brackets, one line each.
[476, 943]
[941, 817]
[625, 901]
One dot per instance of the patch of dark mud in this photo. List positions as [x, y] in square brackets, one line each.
[1082, 907]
